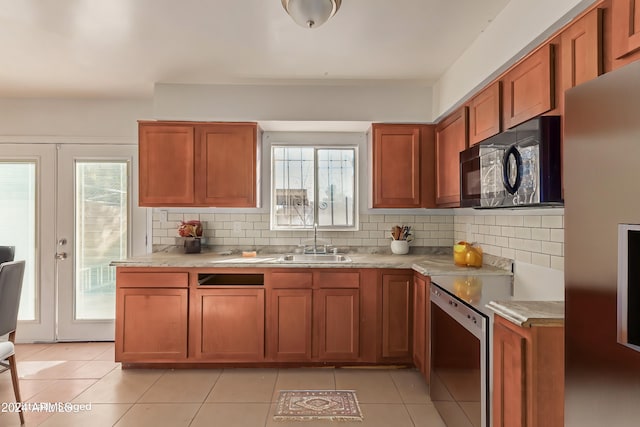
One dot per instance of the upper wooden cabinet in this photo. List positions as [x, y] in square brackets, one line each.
[581, 50]
[451, 139]
[227, 165]
[528, 88]
[198, 164]
[167, 164]
[484, 114]
[625, 27]
[403, 166]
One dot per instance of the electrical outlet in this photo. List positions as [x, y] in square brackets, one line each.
[163, 215]
[237, 227]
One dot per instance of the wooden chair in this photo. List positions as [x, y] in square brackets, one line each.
[11, 274]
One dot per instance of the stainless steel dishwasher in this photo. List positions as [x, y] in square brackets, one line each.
[461, 342]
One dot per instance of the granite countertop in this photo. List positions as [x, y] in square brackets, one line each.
[530, 313]
[425, 264]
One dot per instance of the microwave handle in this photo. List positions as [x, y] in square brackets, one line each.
[511, 151]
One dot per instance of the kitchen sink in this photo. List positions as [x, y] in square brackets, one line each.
[315, 258]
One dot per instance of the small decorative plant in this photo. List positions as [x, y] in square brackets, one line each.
[191, 228]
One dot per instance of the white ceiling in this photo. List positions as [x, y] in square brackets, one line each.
[120, 48]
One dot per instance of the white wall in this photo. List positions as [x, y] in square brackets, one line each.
[377, 103]
[521, 26]
[73, 117]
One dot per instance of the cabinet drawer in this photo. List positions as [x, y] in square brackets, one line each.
[280, 280]
[333, 280]
[155, 280]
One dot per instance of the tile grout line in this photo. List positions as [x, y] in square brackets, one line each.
[213, 385]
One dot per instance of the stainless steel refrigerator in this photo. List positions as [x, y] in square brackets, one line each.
[602, 191]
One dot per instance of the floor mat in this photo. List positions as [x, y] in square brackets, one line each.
[338, 405]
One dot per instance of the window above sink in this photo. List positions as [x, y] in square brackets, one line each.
[313, 185]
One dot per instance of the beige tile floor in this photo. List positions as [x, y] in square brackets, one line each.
[84, 373]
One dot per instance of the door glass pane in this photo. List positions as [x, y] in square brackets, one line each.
[18, 225]
[100, 236]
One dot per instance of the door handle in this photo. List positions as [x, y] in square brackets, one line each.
[61, 255]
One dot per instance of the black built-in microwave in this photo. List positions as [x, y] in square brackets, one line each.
[518, 167]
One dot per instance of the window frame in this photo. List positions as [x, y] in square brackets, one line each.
[316, 146]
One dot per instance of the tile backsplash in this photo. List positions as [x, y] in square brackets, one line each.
[527, 236]
[530, 238]
[248, 231]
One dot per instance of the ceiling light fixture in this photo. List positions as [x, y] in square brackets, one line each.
[311, 13]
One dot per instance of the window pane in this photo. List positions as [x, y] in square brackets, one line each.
[313, 185]
[18, 225]
[101, 235]
[336, 173]
[293, 184]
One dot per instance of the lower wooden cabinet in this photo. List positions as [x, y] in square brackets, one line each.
[151, 324]
[227, 324]
[337, 323]
[313, 316]
[528, 368]
[397, 316]
[289, 324]
[421, 305]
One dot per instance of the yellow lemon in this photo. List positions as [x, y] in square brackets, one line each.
[459, 254]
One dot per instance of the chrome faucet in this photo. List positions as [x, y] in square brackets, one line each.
[315, 238]
[315, 248]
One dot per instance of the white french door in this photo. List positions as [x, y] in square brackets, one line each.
[97, 222]
[27, 221]
[76, 205]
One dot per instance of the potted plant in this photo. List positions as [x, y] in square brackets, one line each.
[192, 233]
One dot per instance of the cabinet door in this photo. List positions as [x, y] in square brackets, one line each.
[227, 324]
[509, 378]
[421, 324]
[289, 324]
[451, 139]
[167, 165]
[151, 325]
[528, 88]
[227, 165]
[396, 166]
[581, 50]
[337, 319]
[625, 27]
[396, 316]
[484, 114]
